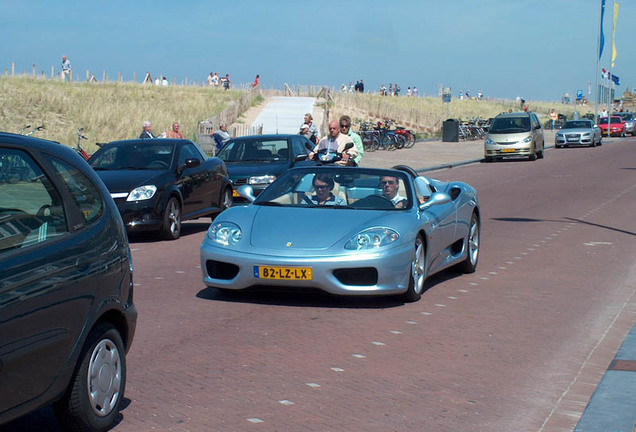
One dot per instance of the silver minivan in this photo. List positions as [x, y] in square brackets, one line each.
[514, 135]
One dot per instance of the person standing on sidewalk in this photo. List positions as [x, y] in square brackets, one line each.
[345, 128]
[67, 70]
[553, 118]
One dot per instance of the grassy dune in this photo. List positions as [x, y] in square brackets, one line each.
[115, 111]
[107, 112]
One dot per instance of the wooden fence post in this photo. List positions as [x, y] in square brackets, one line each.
[12, 68]
[33, 71]
[52, 72]
[120, 77]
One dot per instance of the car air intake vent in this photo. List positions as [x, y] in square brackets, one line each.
[357, 276]
[221, 270]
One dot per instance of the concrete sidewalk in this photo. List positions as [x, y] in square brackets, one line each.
[284, 115]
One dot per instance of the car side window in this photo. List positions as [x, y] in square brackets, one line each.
[31, 209]
[298, 146]
[84, 192]
[188, 151]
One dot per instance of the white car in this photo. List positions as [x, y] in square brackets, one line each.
[514, 135]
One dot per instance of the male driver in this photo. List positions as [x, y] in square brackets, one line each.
[336, 142]
[390, 188]
[345, 128]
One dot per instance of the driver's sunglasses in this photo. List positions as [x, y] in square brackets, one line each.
[389, 182]
[344, 125]
[321, 186]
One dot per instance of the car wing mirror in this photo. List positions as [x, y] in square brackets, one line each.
[192, 162]
[301, 157]
[437, 198]
[247, 192]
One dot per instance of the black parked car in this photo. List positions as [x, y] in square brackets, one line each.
[257, 160]
[157, 183]
[67, 317]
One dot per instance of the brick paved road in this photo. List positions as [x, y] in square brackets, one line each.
[519, 345]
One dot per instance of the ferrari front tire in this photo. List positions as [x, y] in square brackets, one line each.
[418, 272]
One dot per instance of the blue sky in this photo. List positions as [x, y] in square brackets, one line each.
[537, 49]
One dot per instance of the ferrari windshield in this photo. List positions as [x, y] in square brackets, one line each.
[350, 188]
[124, 156]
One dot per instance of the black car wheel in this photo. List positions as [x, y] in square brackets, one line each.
[418, 272]
[226, 201]
[95, 393]
[171, 228]
[469, 265]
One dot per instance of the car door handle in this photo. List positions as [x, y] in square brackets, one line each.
[82, 265]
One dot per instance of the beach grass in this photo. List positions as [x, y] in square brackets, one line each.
[107, 112]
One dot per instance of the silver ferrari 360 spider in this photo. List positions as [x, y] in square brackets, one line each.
[345, 230]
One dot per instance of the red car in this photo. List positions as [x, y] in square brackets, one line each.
[617, 126]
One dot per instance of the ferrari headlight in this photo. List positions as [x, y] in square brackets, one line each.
[372, 238]
[142, 193]
[224, 233]
[264, 179]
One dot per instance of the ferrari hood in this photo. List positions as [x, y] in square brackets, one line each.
[286, 229]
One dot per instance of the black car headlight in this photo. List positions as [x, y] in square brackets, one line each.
[142, 193]
[372, 238]
[225, 233]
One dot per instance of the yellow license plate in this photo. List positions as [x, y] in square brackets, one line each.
[235, 193]
[285, 273]
[507, 150]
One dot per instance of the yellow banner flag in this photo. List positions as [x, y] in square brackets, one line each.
[614, 32]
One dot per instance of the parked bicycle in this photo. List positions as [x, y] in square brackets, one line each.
[78, 148]
[32, 131]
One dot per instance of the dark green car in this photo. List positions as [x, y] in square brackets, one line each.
[67, 316]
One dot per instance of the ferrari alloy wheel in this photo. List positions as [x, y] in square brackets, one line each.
[93, 398]
[469, 265]
[418, 272]
[171, 228]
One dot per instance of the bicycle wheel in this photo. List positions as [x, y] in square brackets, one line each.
[399, 141]
[386, 143]
[367, 143]
[410, 139]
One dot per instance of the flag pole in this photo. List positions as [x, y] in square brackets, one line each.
[611, 76]
[598, 58]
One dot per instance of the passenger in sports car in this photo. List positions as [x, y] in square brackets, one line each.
[390, 187]
[323, 185]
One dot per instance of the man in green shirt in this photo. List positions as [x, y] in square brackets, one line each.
[345, 128]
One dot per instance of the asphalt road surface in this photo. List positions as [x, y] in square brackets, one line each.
[520, 345]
